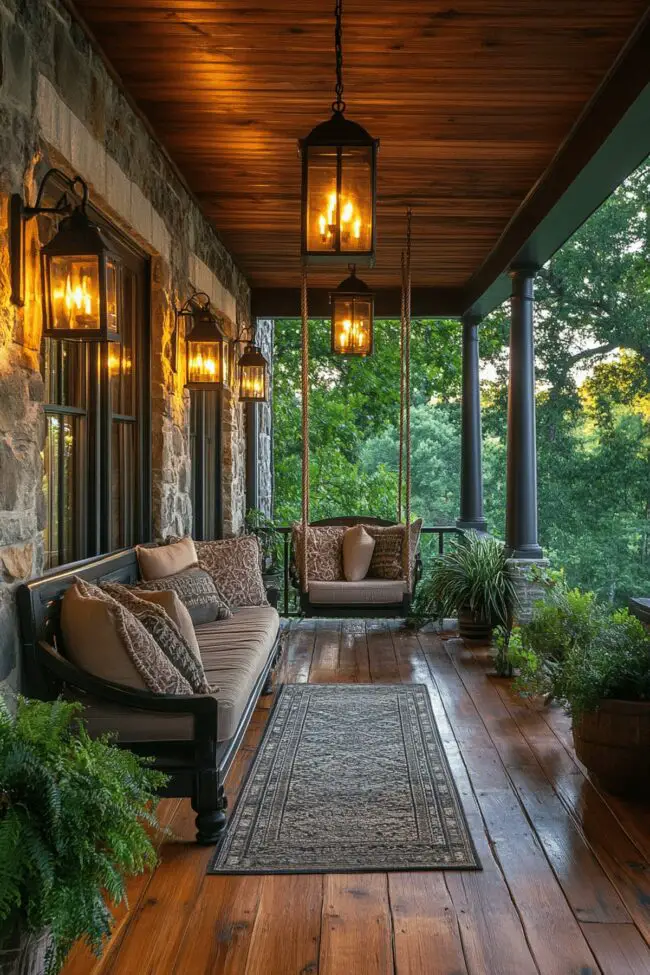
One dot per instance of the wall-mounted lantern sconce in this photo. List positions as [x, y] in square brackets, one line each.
[206, 345]
[253, 375]
[352, 317]
[79, 270]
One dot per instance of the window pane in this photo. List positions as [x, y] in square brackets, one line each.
[123, 484]
[122, 355]
[64, 370]
[60, 479]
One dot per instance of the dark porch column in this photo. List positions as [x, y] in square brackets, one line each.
[471, 473]
[521, 487]
[252, 455]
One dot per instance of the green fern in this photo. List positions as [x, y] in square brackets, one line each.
[76, 816]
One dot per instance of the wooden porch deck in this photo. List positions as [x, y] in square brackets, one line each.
[565, 886]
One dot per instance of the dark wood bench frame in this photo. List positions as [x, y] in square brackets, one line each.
[196, 767]
[347, 610]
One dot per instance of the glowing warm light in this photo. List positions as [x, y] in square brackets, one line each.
[356, 229]
[351, 336]
[350, 224]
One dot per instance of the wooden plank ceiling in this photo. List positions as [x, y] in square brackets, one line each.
[470, 98]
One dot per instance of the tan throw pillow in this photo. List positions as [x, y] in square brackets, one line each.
[324, 551]
[104, 638]
[167, 635]
[177, 612]
[358, 547]
[158, 562]
[196, 591]
[235, 567]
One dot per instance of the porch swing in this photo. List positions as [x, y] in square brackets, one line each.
[375, 597]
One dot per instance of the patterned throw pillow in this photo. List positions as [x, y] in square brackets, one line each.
[156, 670]
[235, 567]
[388, 557]
[324, 551]
[166, 634]
[196, 590]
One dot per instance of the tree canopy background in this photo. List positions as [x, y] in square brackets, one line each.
[592, 331]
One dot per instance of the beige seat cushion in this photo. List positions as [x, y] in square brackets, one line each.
[234, 653]
[374, 592]
[358, 547]
[158, 562]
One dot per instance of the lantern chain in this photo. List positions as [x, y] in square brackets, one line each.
[339, 105]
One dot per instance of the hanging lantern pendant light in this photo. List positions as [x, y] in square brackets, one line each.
[352, 317]
[339, 175]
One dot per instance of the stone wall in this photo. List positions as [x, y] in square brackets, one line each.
[59, 105]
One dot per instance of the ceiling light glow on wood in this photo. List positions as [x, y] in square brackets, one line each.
[339, 183]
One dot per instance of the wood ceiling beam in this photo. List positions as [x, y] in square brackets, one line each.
[609, 140]
[425, 303]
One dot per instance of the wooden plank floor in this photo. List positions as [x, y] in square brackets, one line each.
[565, 885]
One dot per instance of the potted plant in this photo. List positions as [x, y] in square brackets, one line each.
[596, 662]
[74, 813]
[475, 582]
[268, 537]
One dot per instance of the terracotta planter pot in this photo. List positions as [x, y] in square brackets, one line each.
[472, 628]
[27, 956]
[614, 744]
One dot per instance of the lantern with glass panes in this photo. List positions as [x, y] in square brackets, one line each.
[352, 317]
[339, 177]
[79, 269]
[206, 346]
[253, 375]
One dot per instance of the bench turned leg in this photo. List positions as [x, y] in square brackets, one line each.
[209, 803]
[268, 687]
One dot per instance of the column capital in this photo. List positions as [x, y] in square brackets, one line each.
[472, 319]
[523, 269]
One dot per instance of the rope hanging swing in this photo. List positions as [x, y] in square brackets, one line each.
[404, 474]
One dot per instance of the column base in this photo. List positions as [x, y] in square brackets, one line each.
[528, 591]
[527, 553]
[468, 524]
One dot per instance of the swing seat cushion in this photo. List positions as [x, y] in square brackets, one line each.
[367, 592]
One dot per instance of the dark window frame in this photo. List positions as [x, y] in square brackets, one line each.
[93, 462]
[207, 517]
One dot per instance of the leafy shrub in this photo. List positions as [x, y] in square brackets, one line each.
[73, 818]
[580, 652]
[473, 575]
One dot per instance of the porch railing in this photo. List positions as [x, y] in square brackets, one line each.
[432, 542]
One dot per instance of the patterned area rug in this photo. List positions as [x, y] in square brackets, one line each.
[348, 778]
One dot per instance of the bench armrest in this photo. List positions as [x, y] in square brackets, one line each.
[203, 707]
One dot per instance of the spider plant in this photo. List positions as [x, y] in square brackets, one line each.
[474, 578]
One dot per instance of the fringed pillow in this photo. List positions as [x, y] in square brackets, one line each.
[324, 551]
[235, 567]
[167, 635]
[104, 638]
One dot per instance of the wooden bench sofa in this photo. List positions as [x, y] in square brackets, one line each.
[193, 739]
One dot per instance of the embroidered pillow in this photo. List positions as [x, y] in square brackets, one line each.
[198, 593]
[387, 558]
[234, 565]
[177, 612]
[104, 638]
[166, 634]
[159, 561]
[324, 551]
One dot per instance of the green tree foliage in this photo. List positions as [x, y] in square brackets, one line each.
[592, 330]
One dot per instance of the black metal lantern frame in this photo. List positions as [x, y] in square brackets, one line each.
[253, 375]
[339, 168]
[353, 317]
[206, 346]
[79, 269]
